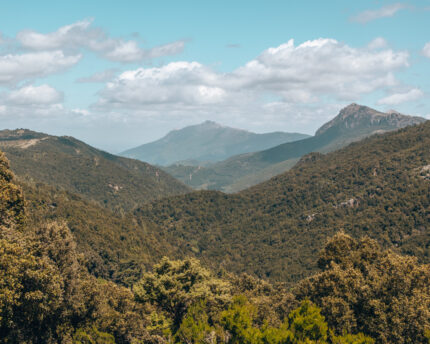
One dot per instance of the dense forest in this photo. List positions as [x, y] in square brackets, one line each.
[336, 250]
[378, 187]
[48, 296]
[116, 183]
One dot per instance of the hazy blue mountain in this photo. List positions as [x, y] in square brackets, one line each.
[206, 142]
[353, 123]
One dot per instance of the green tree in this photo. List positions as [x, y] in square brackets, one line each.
[195, 328]
[237, 320]
[363, 288]
[176, 285]
[307, 324]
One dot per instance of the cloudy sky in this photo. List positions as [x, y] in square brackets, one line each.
[121, 73]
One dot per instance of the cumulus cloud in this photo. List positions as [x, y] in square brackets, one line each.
[280, 80]
[34, 95]
[30, 102]
[426, 50]
[186, 83]
[82, 112]
[294, 73]
[377, 43]
[69, 36]
[385, 11]
[399, 98]
[320, 67]
[103, 76]
[15, 68]
[81, 35]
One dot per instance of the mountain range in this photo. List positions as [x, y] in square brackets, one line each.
[206, 142]
[377, 187]
[236, 173]
[339, 242]
[125, 213]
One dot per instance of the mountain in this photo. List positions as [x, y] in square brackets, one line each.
[353, 123]
[115, 182]
[379, 187]
[358, 118]
[48, 242]
[204, 142]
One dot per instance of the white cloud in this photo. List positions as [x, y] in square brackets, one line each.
[32, 102]
[320, 67]
[399, 98]
[103, 76]
[34, 95]
[278, 83]
[69, 36]
[426, 50]
[82, 112]
[386, 11]
[125, 52]
[81, 35]
[15, 68]
[186, 83]
[378, 43]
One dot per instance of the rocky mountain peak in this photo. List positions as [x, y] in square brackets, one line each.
[359, 117]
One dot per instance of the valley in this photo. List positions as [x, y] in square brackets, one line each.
[236, 173]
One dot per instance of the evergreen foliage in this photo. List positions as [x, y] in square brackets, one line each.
[49, 292]
[116, 183]
[378, 187]
[363, 288]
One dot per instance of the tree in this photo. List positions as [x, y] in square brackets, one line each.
[363, 288]
[174, 286]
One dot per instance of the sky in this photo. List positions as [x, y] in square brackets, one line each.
[117, 74]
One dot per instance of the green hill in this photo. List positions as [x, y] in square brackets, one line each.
[206, 142]
[114, 182]
[47, 295]
[378, 187]
[353, 123]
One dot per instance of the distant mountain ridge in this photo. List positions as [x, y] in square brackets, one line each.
[114, 182]
[353, 123]
[208, 141]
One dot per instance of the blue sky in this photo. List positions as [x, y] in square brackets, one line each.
[118, 74]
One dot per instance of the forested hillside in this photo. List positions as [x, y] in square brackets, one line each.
[114, 182]
[378, 187]
[353, 123]
[48, 296]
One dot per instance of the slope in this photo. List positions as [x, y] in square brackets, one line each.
[114, 246]
[353, 123]
[207, 141]
[114, 182]
[377, 187]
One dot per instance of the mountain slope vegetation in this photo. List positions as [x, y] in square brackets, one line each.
[206, 142]
[47, 296]
[114, 182]
[378, 187]
[353, 123]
